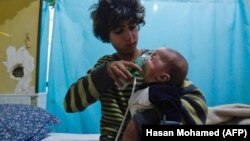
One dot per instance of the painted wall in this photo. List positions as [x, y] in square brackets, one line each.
[19, 20]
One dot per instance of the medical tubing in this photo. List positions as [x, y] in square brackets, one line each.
[126, 113]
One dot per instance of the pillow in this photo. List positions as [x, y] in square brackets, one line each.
[41, 134]
[24, 122]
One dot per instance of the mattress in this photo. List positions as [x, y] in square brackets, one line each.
[71, 137]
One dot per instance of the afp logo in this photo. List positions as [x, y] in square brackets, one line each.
[234, 133]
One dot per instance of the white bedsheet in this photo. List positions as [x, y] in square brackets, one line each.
[71, 137]
[232, 114]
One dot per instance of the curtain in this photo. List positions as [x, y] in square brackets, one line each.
[44, 29]
[213, 35]
[73, 51]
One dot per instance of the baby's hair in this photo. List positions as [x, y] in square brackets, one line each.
[179, 68]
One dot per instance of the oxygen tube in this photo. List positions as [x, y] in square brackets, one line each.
[140, 61]
[126, 113]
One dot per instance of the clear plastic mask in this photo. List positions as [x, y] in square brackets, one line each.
[141, 61]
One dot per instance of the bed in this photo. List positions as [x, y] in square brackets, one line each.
[71, 137]
[229, 114]
[28, 123]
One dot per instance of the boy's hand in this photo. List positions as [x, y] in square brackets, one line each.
[118, 70]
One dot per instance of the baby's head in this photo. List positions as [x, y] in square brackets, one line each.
[166, 65]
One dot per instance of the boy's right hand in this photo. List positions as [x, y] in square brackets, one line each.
[118, 70]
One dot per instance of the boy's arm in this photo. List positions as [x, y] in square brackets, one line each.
[193, 103]
[87, 89]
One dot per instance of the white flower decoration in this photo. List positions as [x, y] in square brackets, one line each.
[20, 65]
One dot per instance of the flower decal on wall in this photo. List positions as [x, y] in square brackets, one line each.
[20, 65]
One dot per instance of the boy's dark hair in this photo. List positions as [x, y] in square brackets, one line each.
[108, 15]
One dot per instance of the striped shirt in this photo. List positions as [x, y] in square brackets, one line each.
[97, 85]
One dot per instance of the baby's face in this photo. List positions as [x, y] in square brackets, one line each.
[156, 64]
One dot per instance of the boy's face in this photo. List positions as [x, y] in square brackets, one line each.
[124, 38]
[156, 65]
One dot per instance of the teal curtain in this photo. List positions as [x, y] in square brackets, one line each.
[214, 36]
[43, 50]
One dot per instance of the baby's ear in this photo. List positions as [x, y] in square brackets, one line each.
[163, 77]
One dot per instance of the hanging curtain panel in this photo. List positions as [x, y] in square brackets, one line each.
[44, 32]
